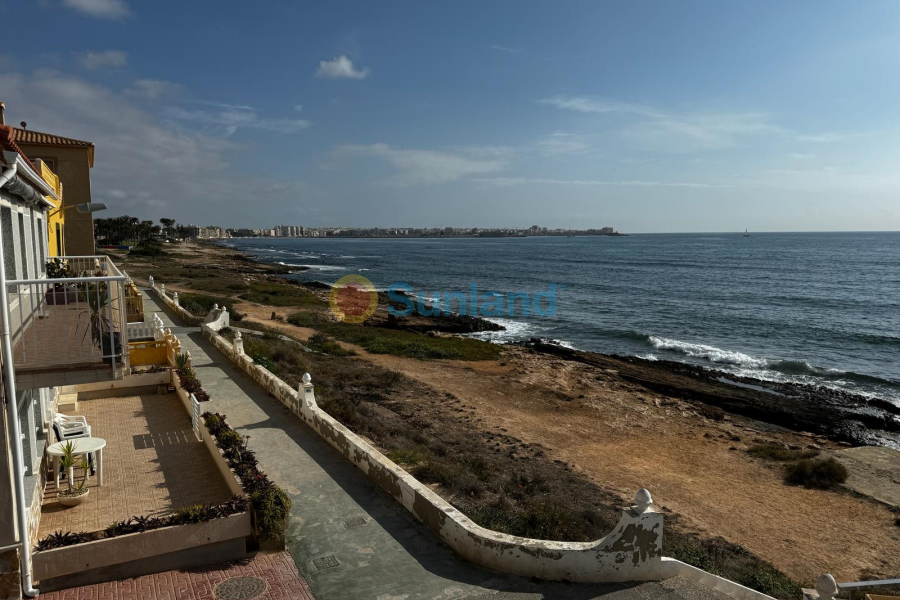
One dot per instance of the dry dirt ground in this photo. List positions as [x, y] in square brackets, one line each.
[625, 437]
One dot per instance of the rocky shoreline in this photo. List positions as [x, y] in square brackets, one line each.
[834, 414]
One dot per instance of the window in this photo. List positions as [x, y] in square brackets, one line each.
[42, 242]
[59, 238]
[9, 247]
[23, 246]
[35, 233]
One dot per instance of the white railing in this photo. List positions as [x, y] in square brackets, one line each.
[79, 319]
[152, 329]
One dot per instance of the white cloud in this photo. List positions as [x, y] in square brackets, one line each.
[153, 89]
[101, 9]
[340, 68]
[507, 49]
[298, 107]
[143, 166]
[670, 131]
[822, 138]
[801, 156]
[557, 144]
[511, 181]
[423, 167]
[228, 118]
[104, 59]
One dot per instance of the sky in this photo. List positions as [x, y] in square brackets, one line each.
[644, 116]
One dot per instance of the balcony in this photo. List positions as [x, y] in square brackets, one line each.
[70, 328]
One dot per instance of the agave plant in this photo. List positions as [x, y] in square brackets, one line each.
[69, 462]
[181, 361]
[97, 298]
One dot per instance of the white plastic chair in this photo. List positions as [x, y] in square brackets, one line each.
[68, 427]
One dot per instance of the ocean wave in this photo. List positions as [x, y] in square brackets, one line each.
[797, 371]
[315, 267]
[710, 353]
[512, 331]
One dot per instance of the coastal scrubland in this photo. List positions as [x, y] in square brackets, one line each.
[535, 441]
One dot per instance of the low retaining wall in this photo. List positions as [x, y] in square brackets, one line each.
[81, 559]
[218, 316]
[185, 316]
[632, 552]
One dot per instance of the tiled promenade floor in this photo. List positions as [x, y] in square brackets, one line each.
[392, 556]
[152, 465]
[281, 582]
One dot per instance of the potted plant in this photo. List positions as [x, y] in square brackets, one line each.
[77, 493]
[60, 293]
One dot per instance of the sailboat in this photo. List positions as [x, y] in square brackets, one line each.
[746, 233]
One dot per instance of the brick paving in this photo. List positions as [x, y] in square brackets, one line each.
[152, 465]
[282, 579]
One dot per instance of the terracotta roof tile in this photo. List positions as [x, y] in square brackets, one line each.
[8, 142]
[28, 136]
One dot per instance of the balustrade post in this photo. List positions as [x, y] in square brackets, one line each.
[307, 391]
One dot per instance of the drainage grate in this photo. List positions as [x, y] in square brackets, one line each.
[355, 522]
[240, 588]
[326, 562]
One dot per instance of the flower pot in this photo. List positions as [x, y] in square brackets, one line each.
[72, 499]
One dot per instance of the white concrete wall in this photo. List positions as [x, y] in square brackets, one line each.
[631, 552]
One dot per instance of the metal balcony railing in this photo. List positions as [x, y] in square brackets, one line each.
[70, 322]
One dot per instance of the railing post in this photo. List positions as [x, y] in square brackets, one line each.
[175, 299]
[237, 345]
[150, 279]
[306, 391]
[162, 289]
[826, 589]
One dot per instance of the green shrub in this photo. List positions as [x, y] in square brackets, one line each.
[188, 514]
[280, 294]
[408, 456]
[324, 344]
[441, 472]
[200, 305]
[767, 579]
[776, 452]
[304, 319]
[378, 340]
[820, 474]
[147, 248]
[271, 508]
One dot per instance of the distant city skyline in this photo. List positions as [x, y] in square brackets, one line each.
[698, 116]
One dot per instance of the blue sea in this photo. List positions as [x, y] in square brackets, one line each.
[820, 308]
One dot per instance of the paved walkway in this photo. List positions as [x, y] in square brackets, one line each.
[389, 557]
[269, 576]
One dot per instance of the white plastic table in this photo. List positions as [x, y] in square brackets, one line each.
[83, 445]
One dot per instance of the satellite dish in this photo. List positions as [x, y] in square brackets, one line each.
[23, 124]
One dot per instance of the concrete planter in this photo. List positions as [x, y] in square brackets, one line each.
[80, 558]
[72, 500]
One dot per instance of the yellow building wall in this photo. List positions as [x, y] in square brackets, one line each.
[56, 218]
